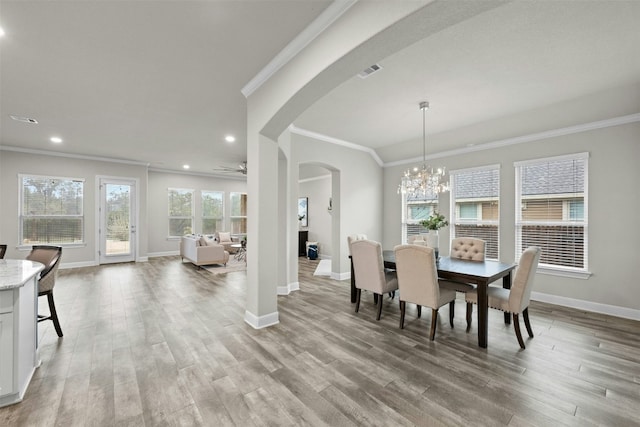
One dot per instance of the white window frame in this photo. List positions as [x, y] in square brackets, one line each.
[232, 217]
[405, 222]
[22, 215]
[170, 217]
[574, 272]
[455, 211]
[205, 217]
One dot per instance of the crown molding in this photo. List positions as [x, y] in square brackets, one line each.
[534, 137]
[313, 30]
[72, 156]
[208, 175]
[336, 141]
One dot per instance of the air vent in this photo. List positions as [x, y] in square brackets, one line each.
[372, 69]
[24, 119]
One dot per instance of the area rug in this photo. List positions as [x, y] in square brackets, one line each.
[323, 268]
[232, 265]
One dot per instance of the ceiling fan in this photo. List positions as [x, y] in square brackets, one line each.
[241, 168]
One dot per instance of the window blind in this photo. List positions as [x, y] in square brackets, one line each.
[180, 211]
[551, 210]
[212, 211]
[51, 210]
[475, 206]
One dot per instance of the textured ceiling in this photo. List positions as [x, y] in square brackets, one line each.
[159, 81]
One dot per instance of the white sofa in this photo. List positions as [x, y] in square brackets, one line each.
[201, 250]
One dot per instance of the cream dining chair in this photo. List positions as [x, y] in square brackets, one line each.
[418, 283]
[370, 274]
[515, 300]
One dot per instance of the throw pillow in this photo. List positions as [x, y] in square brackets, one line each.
[210, 241]
[224, 237]
[202, 241]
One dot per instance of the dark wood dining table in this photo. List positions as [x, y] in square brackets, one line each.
[480, 273]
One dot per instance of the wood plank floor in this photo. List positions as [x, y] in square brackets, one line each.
[163, 343]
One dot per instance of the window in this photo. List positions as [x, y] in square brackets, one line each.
[551, 210]
[212, 211]
[51, 210]
[180, 212]
[238, 213]
[414, 210]
[475, 210]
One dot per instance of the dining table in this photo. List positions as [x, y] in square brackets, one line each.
[479, 273]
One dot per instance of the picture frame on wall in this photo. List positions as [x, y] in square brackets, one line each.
[303, 211]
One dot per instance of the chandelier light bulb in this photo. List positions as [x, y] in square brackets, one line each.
[420, 182]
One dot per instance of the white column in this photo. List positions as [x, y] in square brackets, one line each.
[262, 231]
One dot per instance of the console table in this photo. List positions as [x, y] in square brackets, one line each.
[18, 327]
[303, 236]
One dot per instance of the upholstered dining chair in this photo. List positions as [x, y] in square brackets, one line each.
[49, 256]
[3, 250]
[515, 300]
[368, 266]
[352, 238]
[418, 283]
[467, 248]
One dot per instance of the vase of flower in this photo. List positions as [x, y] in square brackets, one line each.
[434, 223]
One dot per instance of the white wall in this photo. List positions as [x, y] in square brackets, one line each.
[160, 182]
[613, 202]
[14, 163]
[358, 206]
[318, 190]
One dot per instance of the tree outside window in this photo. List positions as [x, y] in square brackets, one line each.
[212, 211]
[238, 213]
[180, 212]
[51, 210]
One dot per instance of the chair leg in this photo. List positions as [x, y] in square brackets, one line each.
[434, 322]
[469, 315]
[525, 316]
[516, 326]
[452, 312]
[54, 314]
[380, 299]
[403, 306]
[358, 292]
[419, 311]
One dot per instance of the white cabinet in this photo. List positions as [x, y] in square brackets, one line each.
[18, 328]
[6, 353]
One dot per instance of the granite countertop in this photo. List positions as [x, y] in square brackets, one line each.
[14, 273]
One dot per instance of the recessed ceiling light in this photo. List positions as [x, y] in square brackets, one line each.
[56, 139]
[230, 138]
[185, 166]
[1, 32]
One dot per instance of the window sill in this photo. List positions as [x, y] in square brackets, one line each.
[584, 275]
[64, 245]
[174, 238]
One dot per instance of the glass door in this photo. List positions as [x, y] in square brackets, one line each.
[117, 220]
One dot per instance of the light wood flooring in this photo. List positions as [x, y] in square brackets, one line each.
[163, 343]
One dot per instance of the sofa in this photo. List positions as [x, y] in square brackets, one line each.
[225, 239]
[202, 250]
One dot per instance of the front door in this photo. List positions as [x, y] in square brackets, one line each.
[117, 220]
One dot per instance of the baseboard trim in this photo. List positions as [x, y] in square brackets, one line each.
[142, 259]
[340, 276]
[160, 254]
[259, 322]
[611, 310]
[66, 265]
[286, 290]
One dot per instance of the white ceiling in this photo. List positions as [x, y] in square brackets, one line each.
[149, 81]
[159, 81]
[515, 58]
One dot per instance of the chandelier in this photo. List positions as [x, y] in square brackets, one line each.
[424, 181]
